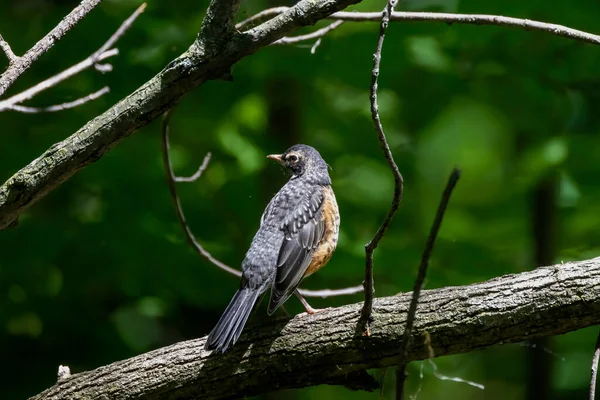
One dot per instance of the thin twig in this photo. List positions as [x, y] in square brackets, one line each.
[422, 273]
[260, 17]
[309, 36]
[21, 64]
[191, 238]
[33, 91]
[101, 54]
[12, 58]
[434, 367]
[398, 180]
[595, 369]
[468, 19]
[121, 31]
[324, 293]
[63, 106]
[197, 175]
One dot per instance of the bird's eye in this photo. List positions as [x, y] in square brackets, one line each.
[292, 158]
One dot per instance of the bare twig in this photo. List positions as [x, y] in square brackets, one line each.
[101, 54]
[16, 68]
[398, 180]
[191, 238]
[468, 19]
[12, 58]
[171, 179]
[261, 16]
[63, 106]
[309, 36]
[436, 372]
[595, 369]
[11, 102]
[324, 293]
[121, 31]
[198, 173]
[412, 310]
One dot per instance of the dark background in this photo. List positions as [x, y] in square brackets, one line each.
[99, 271]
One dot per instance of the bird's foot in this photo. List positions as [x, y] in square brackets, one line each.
[310, 310]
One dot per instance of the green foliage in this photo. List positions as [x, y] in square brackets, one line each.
[99, 270]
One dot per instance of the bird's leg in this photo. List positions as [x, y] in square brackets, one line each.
[307, 307]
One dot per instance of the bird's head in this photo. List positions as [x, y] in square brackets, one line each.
[303, 160]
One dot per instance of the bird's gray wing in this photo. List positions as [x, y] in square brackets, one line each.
[304, 228]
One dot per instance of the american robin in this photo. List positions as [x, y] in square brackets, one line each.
[297, 236]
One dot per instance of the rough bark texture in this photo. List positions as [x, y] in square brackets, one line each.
[328, 347]
[208, 58]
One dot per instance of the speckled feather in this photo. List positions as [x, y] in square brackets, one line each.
[292, 230]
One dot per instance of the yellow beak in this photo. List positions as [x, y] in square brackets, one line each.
[276, 157]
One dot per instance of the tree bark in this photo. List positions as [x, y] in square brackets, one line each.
[329, 347]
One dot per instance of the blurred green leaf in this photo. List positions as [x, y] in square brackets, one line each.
[26, 324]
[137, 330]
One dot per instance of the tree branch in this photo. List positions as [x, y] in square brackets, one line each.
[183, 74]
[323, 348]
[218, 24]
[448, 18]
[21, 64]
[171, 180]
[60, 107]
[398, 180]
[153, 98]
[309, 36]
[102, 53]
[12, 58]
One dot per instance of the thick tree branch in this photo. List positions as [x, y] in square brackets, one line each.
[218, 24]
[325, 347]
[19, 65]
[98, 136]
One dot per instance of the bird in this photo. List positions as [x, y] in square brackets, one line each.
[298, 233]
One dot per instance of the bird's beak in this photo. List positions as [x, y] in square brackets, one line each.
[276, 157]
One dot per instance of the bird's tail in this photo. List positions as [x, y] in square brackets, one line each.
[230, 325]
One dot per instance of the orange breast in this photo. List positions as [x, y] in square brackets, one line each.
[325, 249]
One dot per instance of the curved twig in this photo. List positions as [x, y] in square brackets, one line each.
[448, 18]
[63, 106]
[309, 36]
[191, 239]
